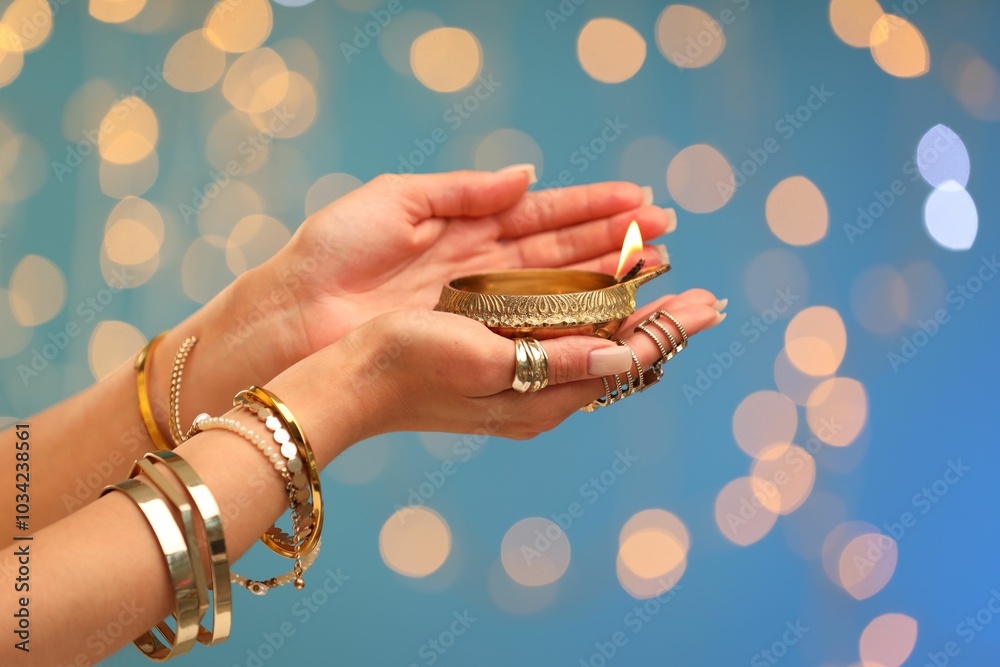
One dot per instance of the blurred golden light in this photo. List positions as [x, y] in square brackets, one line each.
[837, 411]
[784, 476]
[700, 179]
[867, 564]
[816, 340]
[879, 299]
[396, 39]
[688, 36]
[11, 55]
[535, 552]
[127, 276]
[652, 553]
[203, 271]
[446, 59]
[37, 291]
[122, 180]
[256, 81]
[193, 63]
[899, 48]
[505, 147]
[415, 541]
[774, 282]
[740, 516]
[25, 165]
[300, 56]
[329, 188]
[159, 17]
[115, 11]
[643, 588]
[978, 88]
[853, 20]
[792, 382]
[796, 211]
[13, 336]
[219, 216]
[133, 233]
[31, 23]
[253, 241]
[238, 27]
[656, 519]
[236, 146]
[888, 640]
[112, 344]
[85, 110]
[297, 111]
[128, 132]
[763, 419]
[610, 50]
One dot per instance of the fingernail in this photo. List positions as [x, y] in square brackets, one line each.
[721, 305]
[527, 168]
[608, 360]
[647, 195]
[671, 219]
[661, 250]
[718, 319]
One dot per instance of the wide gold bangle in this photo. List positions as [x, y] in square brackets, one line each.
[178, 558]
[208, 511]
[275, 542]
[142, 386]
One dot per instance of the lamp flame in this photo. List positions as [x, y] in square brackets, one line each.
[631, 250]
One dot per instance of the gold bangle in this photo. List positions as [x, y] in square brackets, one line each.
[208, 511]
[178, 559]
[145, 407]
[261, 396]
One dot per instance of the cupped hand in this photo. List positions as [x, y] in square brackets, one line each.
[421, 370]
[394, 242]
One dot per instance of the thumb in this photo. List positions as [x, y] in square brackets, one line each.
[466, 193]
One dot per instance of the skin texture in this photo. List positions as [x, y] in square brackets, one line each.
[330, 324]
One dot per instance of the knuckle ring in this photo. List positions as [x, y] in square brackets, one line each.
[531, 366]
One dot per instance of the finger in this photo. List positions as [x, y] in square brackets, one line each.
[559, 207]
[690, 297]
[459, 193]
[586, 240]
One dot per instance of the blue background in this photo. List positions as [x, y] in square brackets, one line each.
[732, 601]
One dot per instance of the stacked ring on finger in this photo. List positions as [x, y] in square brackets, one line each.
[631, 386]
[531, 366]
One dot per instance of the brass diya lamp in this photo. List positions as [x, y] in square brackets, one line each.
[546, 303]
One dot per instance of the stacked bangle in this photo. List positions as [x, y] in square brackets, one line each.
[142, 387]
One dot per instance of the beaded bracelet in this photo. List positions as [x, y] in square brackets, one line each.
[176, 375]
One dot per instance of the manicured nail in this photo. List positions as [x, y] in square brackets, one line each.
[671, 219]
[718, 319]
[647, 195]
[608, 360]
[527, 168]
[721, 305]
[661, 250]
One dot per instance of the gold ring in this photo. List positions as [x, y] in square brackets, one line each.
[531, 366]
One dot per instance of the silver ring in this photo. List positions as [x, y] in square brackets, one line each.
[531, 366]
[680, 327]
[664, 355]
[638, 368]
[674, 349]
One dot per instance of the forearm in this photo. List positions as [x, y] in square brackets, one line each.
[116, 569]
[91, 439]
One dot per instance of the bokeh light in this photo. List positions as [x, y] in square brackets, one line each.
[899, 48]
[535, 552]
[837, 411]
[11, 55]
[328, 189]
[880, 299]
[122, 180]
[853, 20]
[951, 217]
[866, 563]
[13, 336]
[792, 382]
[446, 59]
[739, 515]
[396, 39]
[652, 553]
[204, 272]
[31, 23]
[784, 476]
[688, 36]
[415, 541]
[763, 419]
[253, 241]
[610, 50]
[973, 81]
[942, 158]
[115, 11]
[796, 211]
[816, 340]
[296, 114]
[257, 81]
[888, 640]
[37, 290]
[128, 132]
[133, 233]
[194, 63]
[504, 147]
[238, 27]
[236, 147]
[112, 344]
[218, 215]
[700, 179]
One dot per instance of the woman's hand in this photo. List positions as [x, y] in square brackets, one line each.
[431, 371]
[396, 241]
